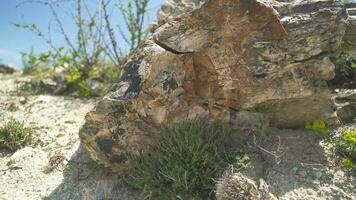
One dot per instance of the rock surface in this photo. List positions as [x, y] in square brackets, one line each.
[6, 69]
[217, 59]
[345, 101]
[173, 8]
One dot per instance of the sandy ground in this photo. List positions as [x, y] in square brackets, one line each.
[296, 164]
[299, 165]
[57, 168]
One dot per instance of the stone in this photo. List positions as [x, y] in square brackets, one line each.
[13, 107]
[95, 86]
[4, 69]
[250, 122]
[23, 100]
[174, 8]
[53, 85]
[318, 174]
[229, 60]
[302, 173]
[345, 101]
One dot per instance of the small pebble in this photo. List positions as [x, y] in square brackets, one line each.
[310, 192]
[23, 100]
[294, 170]
[318, 174]
[303, 173]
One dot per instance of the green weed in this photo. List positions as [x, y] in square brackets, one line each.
[14, 135]
[318, 126]
[348, 149]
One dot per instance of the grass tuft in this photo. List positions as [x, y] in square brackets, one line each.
[184, 161]
[14, 135]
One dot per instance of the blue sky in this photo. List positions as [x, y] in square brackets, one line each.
[13, 40]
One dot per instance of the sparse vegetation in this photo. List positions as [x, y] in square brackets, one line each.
[31, 87]
[347, 148]
[14, 135]
[347, 65]
[133, 13]
[70, 81]
[185, 160]
[31, 61]
[353, 64]
[94, 52]
[345, 71]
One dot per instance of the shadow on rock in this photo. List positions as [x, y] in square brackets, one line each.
[84, 179]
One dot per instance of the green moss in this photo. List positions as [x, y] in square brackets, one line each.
[318, 126]
[350, 139]
[348, 149]
[347, 163]
[14, 135]
[185, 160]
[353, 64]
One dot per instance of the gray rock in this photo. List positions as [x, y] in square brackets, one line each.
[345, 101]
[174, 8]
[4, 69]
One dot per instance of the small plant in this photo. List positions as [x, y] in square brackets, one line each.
[33, 62]
[27, 88]
[185, 160]
[243, 162]
[77, 82]
[29, 61]
[14, 135]
[353, 65]
[318, 126]
[134, 14]
[348, 149]
[347, 163]
[347, 65]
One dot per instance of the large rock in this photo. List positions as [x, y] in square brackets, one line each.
[219, 59]
[173, 8]
[4, 69]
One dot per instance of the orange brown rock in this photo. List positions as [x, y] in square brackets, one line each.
[223, 60]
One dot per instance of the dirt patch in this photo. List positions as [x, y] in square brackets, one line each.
[298, 164]
[58, 167]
